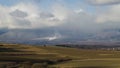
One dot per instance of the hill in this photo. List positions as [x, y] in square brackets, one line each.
[57, 36]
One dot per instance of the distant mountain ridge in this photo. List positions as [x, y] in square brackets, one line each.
[51, 36]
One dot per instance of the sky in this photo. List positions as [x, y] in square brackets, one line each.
[84, 15]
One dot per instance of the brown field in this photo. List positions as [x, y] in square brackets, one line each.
[26, 56]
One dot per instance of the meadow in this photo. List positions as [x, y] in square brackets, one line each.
[27, 56]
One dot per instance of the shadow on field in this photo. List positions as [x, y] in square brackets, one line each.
[99, 67]
[8, 50]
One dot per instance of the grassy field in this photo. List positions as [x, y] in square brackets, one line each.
[87, 58]
[25, 56]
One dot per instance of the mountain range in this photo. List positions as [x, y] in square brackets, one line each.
[57, 36]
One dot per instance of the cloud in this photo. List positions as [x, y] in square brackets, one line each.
[19, 19]
[5, 18]
[60, 11]
[110, 15]
[46, 15]
[31, 16]
[55, 36]
[103, 2]
[18, 13]
[28, 16]
[81, 21]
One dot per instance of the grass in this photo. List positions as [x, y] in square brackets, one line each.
[87, 58]
[90, 63]
[26, 53]
[83, 54]
[59, 56]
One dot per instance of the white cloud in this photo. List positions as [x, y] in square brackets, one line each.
[5, 18]
[31, 16]
[111, 15]
[79, 11]
[60, 11]
[27, 15]
[55, 36]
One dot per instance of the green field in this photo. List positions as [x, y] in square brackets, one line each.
[26, 56]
